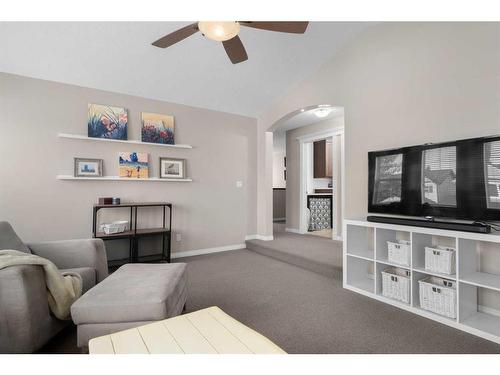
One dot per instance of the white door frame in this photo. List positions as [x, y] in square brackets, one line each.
[303, 141]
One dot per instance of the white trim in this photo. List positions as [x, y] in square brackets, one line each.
[190, 253]
[85, 138]
[321, 134]
[293, 230]
[258, 237]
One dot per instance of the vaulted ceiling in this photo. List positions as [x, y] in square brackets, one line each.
[119, 57]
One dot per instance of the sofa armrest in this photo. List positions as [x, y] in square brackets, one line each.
[75, 254]
[25, 320]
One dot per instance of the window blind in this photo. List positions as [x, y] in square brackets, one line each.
[439, 176]
[492, 173]
[388, 172]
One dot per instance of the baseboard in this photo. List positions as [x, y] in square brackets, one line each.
[258, 237]
[293, 230]
[191, 253]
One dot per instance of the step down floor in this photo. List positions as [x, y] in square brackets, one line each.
[316, 254]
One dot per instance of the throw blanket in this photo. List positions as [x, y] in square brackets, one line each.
[62, 288]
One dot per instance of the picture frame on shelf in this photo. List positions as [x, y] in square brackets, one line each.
[172, 168]
[85, 167]
[133, 165]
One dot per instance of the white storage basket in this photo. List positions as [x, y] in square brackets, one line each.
[440, 259]
[399, 252]
[438, 296]
[396, 284]
[115, 227]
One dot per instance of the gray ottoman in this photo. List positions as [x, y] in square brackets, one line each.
[133, 295]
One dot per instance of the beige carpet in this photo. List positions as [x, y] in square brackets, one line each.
[304, 312]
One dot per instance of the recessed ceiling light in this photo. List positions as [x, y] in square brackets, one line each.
[322, 112]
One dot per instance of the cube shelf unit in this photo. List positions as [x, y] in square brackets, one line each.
[477, 273]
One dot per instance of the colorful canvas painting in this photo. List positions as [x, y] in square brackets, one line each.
[105, 121]
[134, 165]
[157, 128]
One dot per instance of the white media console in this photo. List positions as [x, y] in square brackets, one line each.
[477, 270]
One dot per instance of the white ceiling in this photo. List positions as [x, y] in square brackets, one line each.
[119, 57]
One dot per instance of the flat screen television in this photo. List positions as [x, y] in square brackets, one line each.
[455, 180]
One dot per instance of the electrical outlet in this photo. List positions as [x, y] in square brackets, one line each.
[239, 184]
[178, 237]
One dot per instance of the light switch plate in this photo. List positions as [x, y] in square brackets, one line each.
[178, 237]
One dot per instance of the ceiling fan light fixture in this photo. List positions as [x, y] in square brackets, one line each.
[219, 30]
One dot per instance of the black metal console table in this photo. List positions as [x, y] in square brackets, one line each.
[133, 234]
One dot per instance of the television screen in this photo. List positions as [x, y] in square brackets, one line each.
[459, 180]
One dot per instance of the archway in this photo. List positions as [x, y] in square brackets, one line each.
[303, 127]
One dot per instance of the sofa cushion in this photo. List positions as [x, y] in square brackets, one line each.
[88, 275]
[135, 292]
[9, 239]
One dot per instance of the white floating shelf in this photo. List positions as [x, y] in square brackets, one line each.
[116, 178]
[85, 138]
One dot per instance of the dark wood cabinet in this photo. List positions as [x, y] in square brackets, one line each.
[322, 154]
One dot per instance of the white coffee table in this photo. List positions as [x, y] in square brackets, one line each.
[207, 331]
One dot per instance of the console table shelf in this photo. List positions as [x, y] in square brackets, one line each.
[365, 257]
[134, 233]
[85, 138]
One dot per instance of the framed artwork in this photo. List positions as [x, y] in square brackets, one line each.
[108, 122]
[88, 167]
[133, 164]
[172, 168]
[157, 128]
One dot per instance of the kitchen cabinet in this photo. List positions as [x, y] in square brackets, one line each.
[322, 156]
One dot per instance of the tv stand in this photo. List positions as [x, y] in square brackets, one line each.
[477, 275]
[431, 222]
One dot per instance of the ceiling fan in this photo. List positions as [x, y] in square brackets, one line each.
[227, 33]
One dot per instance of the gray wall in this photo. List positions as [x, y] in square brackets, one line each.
[209, 212]
[293, 166]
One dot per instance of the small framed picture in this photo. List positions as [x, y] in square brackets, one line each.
[172, 168]
[88, 167]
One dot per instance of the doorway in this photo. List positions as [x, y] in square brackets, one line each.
[321, 172]
[298, 189]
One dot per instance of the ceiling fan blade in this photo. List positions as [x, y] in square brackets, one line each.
[176, 36]
[281, 26]
[235, 50]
